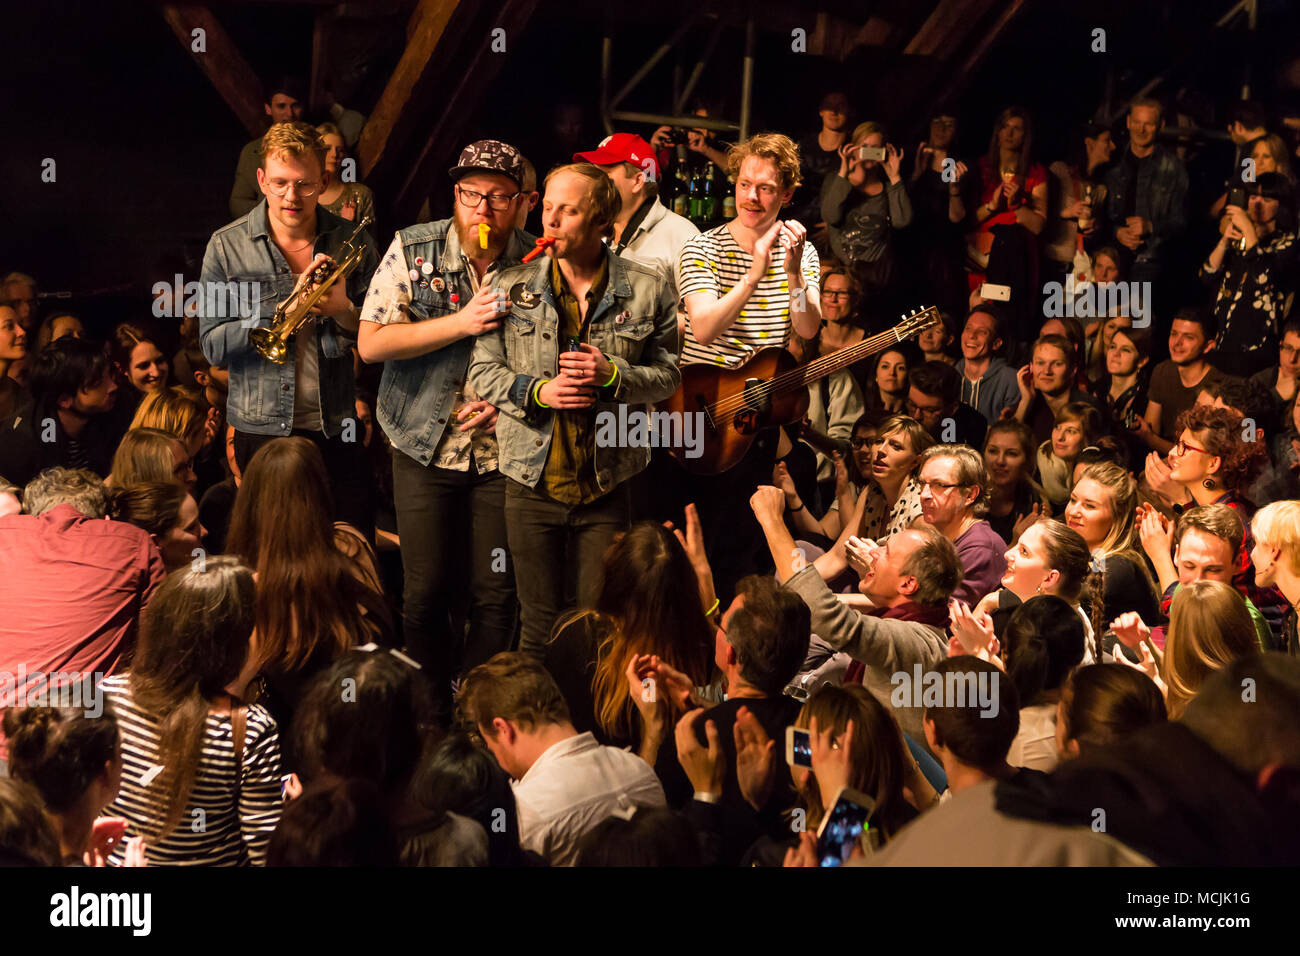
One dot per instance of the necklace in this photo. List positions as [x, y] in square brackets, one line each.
[309, 242]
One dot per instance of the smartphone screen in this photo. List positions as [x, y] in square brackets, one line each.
[800, 748]
[841, 831]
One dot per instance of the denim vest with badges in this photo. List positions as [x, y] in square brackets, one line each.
[244, 277]
[417, 395]
[634, 324]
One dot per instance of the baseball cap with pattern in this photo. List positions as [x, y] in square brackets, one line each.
[622, 148]
[490, 156]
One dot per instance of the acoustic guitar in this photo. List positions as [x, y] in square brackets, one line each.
[769, 390]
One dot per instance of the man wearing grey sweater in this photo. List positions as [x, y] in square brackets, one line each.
[909, 582]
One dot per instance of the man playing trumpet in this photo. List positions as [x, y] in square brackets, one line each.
[249, 267]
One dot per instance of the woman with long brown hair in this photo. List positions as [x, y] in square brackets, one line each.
[648, 606]
[201, 772]
[318, 593]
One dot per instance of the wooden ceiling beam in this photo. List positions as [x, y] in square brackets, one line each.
[389, 123]
[221, 61]
[476, 67]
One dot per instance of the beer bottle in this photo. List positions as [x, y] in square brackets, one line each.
[710, 198]
[681, 188]
[729, 200]
[697, 198]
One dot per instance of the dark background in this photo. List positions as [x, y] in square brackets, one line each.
[146, 149]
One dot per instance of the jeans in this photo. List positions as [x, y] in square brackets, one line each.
[351, 482]
[454, 552]
[558, 551]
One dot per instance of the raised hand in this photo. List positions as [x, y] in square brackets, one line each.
[860, 553]
[973, 630]
[1025, 521]
[892, 161]
[768, 503]
[842, 481]
[763, 248]
[643, 688]
[1159, 477]
[755, 759]
[781, 478]
[1156, 532]
[847, 159]
[1147, 665]
[1025, 381]
[1130, 630]
[792, 238]
[105, 834]
[704, 768]
[830, 759]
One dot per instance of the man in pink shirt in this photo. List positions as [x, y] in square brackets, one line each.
[72, 586]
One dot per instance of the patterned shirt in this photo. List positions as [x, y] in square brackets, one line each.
[714, 262]
[879, 521]
[1252, 293]
[388, 303]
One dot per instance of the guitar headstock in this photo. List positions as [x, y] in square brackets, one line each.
[917, 322]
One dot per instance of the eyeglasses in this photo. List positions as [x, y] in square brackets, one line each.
[861, 442]
[916, 411]
[931, 485]
[836, 294]
[302, 187]
[496, 202]
[1182, 448]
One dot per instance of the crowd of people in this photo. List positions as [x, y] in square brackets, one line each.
[405, 597]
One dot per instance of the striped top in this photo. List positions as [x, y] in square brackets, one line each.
[213, 830]
[714, 262]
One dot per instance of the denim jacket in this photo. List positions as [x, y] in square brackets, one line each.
[1161, 190]
[417, 395]
[634, 325]
[244, 277]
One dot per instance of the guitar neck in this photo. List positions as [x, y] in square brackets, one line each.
[818, 369]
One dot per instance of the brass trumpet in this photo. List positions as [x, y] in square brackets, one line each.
[294, 312]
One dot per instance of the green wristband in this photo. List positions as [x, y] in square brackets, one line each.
[613, 377]
[537, 393]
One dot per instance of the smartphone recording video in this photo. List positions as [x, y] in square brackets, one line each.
[798, 747]
[871, 153]
[843, 827]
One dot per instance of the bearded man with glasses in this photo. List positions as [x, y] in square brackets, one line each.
[249, 267]
[431, 298]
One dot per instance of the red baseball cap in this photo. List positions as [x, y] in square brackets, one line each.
[622, 148]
